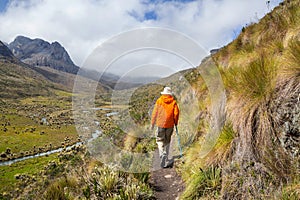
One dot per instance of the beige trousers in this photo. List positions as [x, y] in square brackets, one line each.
[163, 139]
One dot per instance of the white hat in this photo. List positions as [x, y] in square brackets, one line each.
[167, 90]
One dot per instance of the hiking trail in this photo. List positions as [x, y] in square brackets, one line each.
[166, 183]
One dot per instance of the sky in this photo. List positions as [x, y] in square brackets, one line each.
[82, 25]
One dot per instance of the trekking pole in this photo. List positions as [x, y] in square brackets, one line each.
[178, 139]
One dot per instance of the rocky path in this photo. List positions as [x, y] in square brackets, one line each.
[166, 183]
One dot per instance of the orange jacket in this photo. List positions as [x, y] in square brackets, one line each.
[166, 112]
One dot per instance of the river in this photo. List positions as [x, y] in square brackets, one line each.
[94, 136]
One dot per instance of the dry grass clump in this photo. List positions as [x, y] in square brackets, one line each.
[261, 74]
[222, 151]
[251, 89]
[204, 183]
[61, 189]
[291, 61]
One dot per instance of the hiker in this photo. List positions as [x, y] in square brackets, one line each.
[164, 115]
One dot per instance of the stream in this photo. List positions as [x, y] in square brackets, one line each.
[94, 136]
[9, 162]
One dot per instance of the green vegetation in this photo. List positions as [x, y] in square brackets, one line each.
[222, 149]
[255, 157]
[17, 133]
[291, 192]
[108, 183]
[13, 174]
[204, 183]
[291, 68]
[254, 83]
[60, 189]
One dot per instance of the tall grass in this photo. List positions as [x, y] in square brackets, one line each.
[251, 89]
[204, 183]
[60, 189]
[223, 148]
[291, 61]
[254, 83]
[276, 24]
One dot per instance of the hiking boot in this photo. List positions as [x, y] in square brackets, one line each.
[163, 161]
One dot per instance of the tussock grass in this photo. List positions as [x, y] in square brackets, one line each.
[223, 148]
[60, 189]
[251, 89]
[275, 25]
[204, 183]
[192, 161]
[254, 83]
[291, 61]
[260, 70]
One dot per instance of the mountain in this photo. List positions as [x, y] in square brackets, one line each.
[40, 53]
[5, 52]
[37, 52]
[20, 76]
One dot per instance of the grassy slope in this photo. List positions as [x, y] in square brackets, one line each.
[257, 69]
[260, 71]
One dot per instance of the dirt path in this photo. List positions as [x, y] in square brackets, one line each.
[166, 183]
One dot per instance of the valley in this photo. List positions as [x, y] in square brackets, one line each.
[240, 140]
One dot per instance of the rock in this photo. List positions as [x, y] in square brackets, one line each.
[168, 176]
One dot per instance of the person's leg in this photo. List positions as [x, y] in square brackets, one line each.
[168, 135]
[161, 143]
[160, 140]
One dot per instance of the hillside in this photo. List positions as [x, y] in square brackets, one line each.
[256, 155]
[18, 79]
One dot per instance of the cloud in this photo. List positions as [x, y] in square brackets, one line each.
[81, 25]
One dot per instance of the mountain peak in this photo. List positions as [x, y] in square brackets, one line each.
[38, 52]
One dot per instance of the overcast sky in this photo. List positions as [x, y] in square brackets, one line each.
[82, 25]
